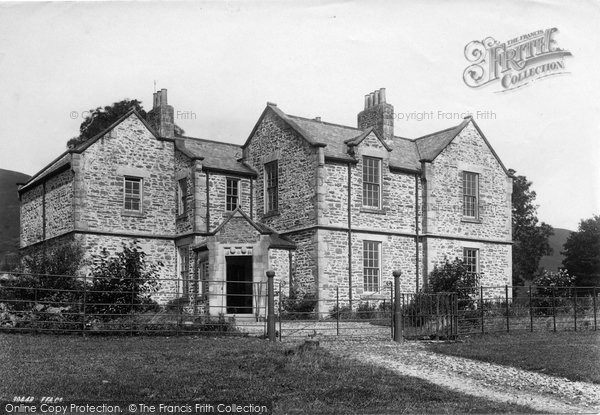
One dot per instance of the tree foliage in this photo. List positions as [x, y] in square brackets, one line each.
[453, 277]
[100, 119]
[531, 238]
[582, 253]
[123, 283]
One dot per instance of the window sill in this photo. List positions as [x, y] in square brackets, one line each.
[132, 213]
[271, 213]
[470, 220]
[375, 211]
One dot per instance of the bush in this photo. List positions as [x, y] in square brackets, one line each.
[299, 307]
[454, 277]
[123, 283]
[549, 288]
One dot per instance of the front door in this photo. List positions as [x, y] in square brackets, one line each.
[239, 284]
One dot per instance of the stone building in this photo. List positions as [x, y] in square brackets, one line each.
[328, 207]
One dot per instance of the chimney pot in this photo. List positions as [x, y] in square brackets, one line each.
[371, 99]
[382, 95]
[163, 95]
[376, 97]
[155, 103]
[317, 118]
[366, 101]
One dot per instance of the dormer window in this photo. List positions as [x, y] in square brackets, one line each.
[371, 182]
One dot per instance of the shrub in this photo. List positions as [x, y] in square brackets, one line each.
[123, 283]
[299, 306]
[549, 288]
[454, 277]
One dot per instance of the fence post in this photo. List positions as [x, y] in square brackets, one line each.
[437, 316]
[482, 313]
[271, 306]
[392, 319]
[398, 335]
[530, 312]
[554, 308]
[507, 311]
[594, 303]
[575, 308]
[279, 317]
[83, 316]
[337, 307]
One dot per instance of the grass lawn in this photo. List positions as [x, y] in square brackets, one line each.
[569, 354]
[217, 369]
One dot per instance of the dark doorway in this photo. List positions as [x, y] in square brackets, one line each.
[239, 284]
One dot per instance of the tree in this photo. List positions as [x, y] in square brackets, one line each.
[100, 119]
[454, 277]
[530, 237]
[123, 283]
[582, 253]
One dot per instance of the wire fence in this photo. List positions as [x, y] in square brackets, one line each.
[67, 304]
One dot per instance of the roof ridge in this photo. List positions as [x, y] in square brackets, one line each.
[324, 122]
[441, 131]
[209, 141]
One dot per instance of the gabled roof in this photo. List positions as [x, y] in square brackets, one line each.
[64, 160]
[277, 240]
[359, 138]
[215, 155]
[431, 145]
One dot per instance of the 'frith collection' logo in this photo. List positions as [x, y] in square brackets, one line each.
[514, 63]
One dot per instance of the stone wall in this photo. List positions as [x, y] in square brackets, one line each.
[59, 204]
[495, 260]
[32, 216]
[128, 150]
[156, 250]
[468, 152]
[183, 171]
[297, 162]
[53, 219]
[217, 201]
[397, 209]
[305, 267]
[396, 253]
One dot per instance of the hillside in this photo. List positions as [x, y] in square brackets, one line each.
[552, 262]
[9, 211]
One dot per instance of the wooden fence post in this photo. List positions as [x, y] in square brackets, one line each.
[554, 308]
[594, 303]
[530, 311]
[482, 313]
[398, 335]
[337, 307]
[271, 306]
[507, 311]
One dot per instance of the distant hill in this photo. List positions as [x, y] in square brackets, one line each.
[554, 261]
[9, 211]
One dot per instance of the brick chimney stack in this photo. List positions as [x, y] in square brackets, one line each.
[377, 113]
[161, 117]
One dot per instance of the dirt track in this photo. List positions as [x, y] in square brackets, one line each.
[495, 382]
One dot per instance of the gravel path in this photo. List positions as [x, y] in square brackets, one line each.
[495, 382]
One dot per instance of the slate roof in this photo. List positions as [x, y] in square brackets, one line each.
[430, 145]
[215, 155]
[405, 153]
[276, 240]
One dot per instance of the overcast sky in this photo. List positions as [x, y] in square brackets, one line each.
[221, 62]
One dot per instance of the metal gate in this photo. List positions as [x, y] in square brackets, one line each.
[427, 316]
